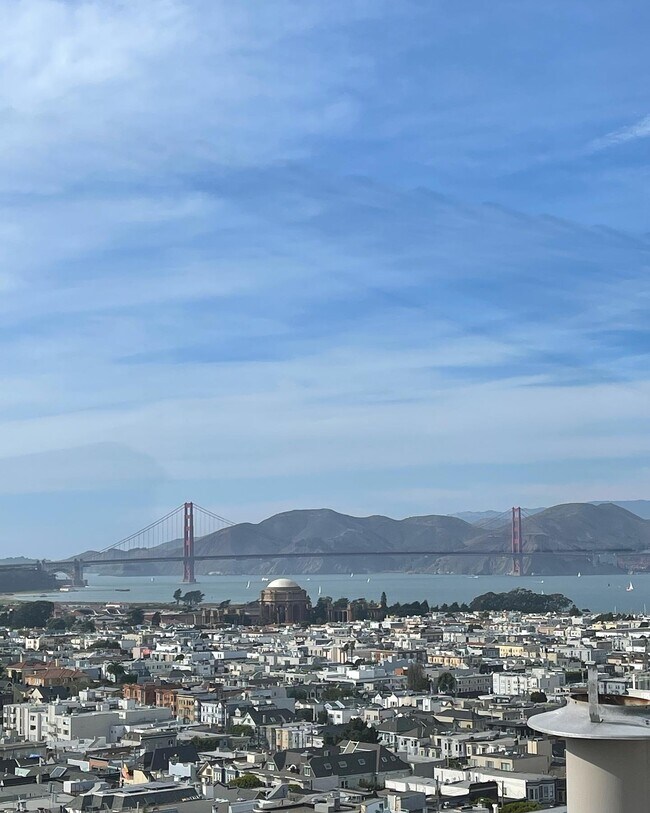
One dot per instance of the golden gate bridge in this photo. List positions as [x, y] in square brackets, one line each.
[160, 542]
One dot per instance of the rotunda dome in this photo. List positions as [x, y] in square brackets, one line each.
[282, 584]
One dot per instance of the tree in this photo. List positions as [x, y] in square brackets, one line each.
[357, 731]
[383, 601]
[135, 616]
[322, 718]
[336, 692]
[239, 730]
[178, 595]
[32, 614]
[192, 598]
[522, 600]
[156, 618]
[416, 679]
[87, 626]
[520, 807]
[59, 624]
[446, 683]
[319, 611]
[247, 780]
[538, 697]
[206, 743]
[104, 643]
[116, 670]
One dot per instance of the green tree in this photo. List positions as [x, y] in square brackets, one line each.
[336, 692]
[32, 614]
[105, 643]
[322, 717]
[239, 730]
[87, 626]
[206, 743]
[319, 611]
[446, 683]
[178, 595]
[59, 624]
[192, 598]
[416, 679]
[520, 807]
[116, 670]
[135, 616]
[357, 731]
[156, 619]
[247, 780]
[538, 697]
[522, 600]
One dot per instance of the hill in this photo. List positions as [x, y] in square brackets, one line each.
[559, 531]
[639, 507]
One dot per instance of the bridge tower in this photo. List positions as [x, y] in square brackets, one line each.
[188, 543]
[78, 573]
[516, 542]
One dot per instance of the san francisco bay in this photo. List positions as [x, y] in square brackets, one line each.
[599, 593]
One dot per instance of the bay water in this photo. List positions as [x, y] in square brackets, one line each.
[597, 593]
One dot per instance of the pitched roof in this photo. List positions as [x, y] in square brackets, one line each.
[159, 758]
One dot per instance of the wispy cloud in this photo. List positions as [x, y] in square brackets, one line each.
[228, 270]
[640, 129]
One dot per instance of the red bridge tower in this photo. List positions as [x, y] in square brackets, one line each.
[188, 544]
[516, 542]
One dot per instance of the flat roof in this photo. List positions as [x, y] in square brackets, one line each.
[620, 722]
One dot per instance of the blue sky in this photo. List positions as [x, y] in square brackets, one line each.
[381, 257]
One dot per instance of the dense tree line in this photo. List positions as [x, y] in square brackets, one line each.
[522, 600]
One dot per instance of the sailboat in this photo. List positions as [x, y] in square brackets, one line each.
[351, 575]
[248, 584]
[368, 580]
[630, 587]
[320, 589]
[579, 574]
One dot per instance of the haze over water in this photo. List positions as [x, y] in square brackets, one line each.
[598, 593]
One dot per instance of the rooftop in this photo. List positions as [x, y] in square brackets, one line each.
[620, 718]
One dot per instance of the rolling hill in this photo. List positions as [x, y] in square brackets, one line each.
[561, 531]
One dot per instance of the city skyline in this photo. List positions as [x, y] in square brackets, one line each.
[383, 259]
